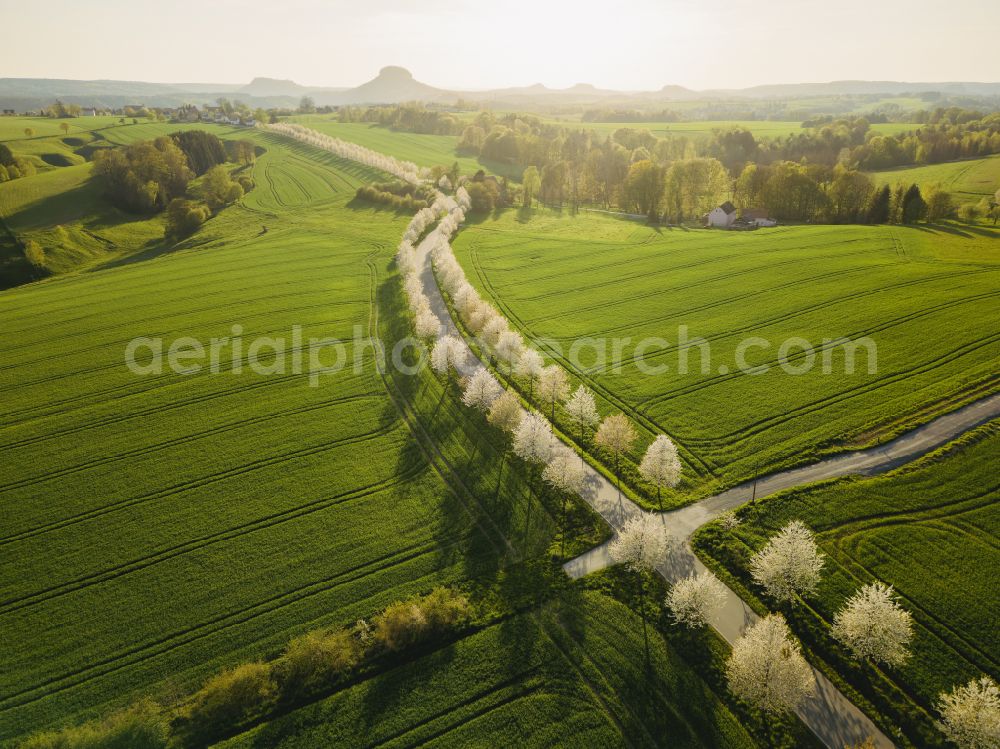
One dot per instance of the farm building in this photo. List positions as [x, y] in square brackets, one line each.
[758, 217]
[722, 216]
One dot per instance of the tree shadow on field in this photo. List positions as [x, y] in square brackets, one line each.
[481, 503]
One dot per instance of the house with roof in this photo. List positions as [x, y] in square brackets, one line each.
[721, 216]
[758, 217]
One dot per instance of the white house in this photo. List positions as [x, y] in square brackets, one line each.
[722, 216]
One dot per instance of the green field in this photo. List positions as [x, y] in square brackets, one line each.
[968, 180]
[930, 530]
[62, 208]
[926, 296]
[160, 527]
[422, 150]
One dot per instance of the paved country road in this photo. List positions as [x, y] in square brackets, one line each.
[829, 714]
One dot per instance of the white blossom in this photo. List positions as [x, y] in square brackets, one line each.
[767, 669]
[533, 439]
[405, 170]
[641, 543]
[790, 563]
[970, 714]
[564, 471]
[506, 412]
[481, 389]
[661, 465]
[509, 347]
[553, 385]
[530, 364]
[582, 409]
[696, 599]
[449, 352]
[873, 626]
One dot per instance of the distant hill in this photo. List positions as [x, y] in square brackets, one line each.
[392, 85]
[395, 84]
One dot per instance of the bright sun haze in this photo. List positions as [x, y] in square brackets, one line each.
[632, 44]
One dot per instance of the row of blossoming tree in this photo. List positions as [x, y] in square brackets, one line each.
[766, 667]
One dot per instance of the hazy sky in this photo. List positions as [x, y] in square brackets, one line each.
[625, 44]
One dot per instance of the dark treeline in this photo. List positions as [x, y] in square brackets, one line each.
[815, 175]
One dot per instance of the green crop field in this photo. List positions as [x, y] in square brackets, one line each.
[968, 180]
[158, 527]
[926, 296]
[421, 149]
[930, 530]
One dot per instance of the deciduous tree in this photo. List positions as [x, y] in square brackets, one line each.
[530, 366]
[696, 599]
[874, 626]
[553, 386]
[661, 466]
[970, 714]
[506, 412]
[767, 669]
[582, 410]
[790, 564]
[616, 435]
[481, 389]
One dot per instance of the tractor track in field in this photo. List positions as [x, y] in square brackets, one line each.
[699, 262]
[155, 383]
[183, 439]
[98, 291]
[119, 364]
[648, 276]
[951, 637]
[163, 645]
[791, 314]
[118, 418]
[510, 684]
[692, 458]
[763, 425]
[263, 523]
[197, 483]
[639, 412]
[132, 325]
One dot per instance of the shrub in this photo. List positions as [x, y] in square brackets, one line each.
[228, 699]
[968, 212]
[183, 218]
[34, 253]
[407, 623]
[141, 726]
[484, 196]
[218, 189]
[316, 658]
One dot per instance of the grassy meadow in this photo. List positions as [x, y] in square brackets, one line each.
[62, 208]
[968, 180]
[160, 527]
[421, 149]
[925, 295]
[929, 530]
